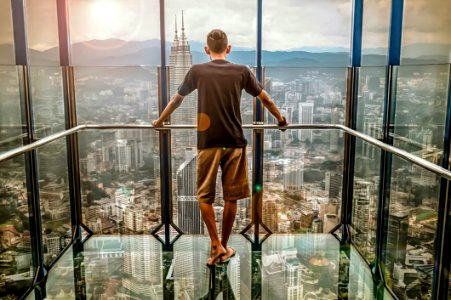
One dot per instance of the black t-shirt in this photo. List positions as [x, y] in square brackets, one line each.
[219, 84]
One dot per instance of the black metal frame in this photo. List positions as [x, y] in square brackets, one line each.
[442, 264]
[30, 159]
[393, 61]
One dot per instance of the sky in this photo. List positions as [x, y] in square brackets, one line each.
[287, 24]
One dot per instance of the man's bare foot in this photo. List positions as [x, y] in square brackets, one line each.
[229, 253]
[216, 253]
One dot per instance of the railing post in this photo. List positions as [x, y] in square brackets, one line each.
[70, 114]
[73, 157]
[440, 282]
[31, 164]
[351, 118]
[393, 61]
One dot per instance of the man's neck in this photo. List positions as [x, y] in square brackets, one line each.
[216, 56]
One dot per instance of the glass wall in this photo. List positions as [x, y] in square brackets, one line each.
[411, 230]
[114, 32]
[375, 32]
[6, 34]
[421, 100]
[116, 95]
[10, 115]
[42, 33]
[48, 100]
[370, 104]
[120, 181]
[15, 248]
[55, 199]
[425, 37]
[295, 35]
[302, 180]
[365, 198]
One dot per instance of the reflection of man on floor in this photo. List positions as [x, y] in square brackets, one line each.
[220, 138]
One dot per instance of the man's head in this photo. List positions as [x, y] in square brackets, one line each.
[217, 42]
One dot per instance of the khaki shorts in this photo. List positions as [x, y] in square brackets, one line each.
[233, 163]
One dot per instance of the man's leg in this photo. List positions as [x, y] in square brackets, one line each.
[235, 186]
[208, 214]
[207, 169]
[228, 218]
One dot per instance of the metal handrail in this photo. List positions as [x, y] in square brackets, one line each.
[375, 142]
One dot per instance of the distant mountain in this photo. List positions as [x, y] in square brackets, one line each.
[115, 52]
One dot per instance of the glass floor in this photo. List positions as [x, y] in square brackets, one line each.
[290, 266]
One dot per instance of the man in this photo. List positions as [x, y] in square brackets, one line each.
[221, 141]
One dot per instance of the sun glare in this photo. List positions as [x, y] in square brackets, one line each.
[105, 12]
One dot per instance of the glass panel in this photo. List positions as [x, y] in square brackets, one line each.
[365, 199]
[288, 43]
[15, 250]
[42, 32]
[192, 277]
[318, 93]
[55, 199]
[32, 295]
[6, 34]
[312, 266]
[376, 22]
[61, 281]
[302, 180]
[10, 115]
[371, 101]
[120, 181]
[425, 36]
[48, 101]
[422, 94]
[184, 173]
[115, 32]
[124, 95]
[120, 267]
[200, 17]
[411, 230]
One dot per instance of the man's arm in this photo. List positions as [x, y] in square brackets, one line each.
[170, 108]
[271, 106]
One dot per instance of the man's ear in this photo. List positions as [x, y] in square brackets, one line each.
[228, 49]
[207, 50]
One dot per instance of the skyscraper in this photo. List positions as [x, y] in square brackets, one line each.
[180, 61]
[305, 117]
[363, 191]
[188, 213]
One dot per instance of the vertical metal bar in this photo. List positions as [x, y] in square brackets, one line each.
[165, 138]
[393, 61]
[73, 157]
[257, 151]
[440, 282]
[31, 164]
[70, 118]
[351, 117]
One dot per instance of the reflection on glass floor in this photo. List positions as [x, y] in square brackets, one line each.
[290, 266]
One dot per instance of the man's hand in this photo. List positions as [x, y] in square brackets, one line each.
[282, 123]
[157, 123]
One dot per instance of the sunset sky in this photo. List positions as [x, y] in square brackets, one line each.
[287, 24]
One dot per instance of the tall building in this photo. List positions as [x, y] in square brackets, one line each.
[270, 215]
[188, 213]
[305, 117]
[142, 264]
[293, 175]
[180, 61]
[123, 156]
[398, 227]
[363, 191]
